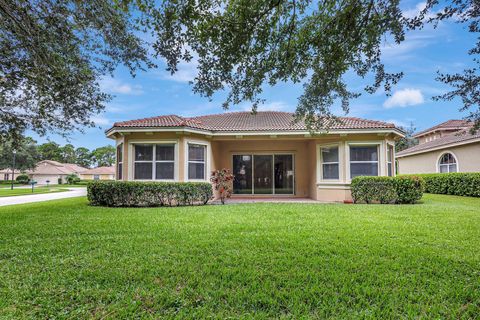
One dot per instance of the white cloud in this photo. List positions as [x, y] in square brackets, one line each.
[187, 71]
[404, 98]
[99, 120]
[397, 123]
[112, 85]
[413, 12]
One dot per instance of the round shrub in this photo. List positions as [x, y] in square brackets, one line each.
[402, 189]
[22, 179]
[148, 194]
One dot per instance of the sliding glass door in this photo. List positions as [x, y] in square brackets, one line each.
[263, 174]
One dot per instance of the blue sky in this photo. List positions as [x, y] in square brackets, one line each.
[156, 92]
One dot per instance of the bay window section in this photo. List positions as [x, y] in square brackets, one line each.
[165, 162]
[330, 163]
[363, 161]
[390, 160]
[120, 161]
[143, 162]
[196, 161]
[154, 162]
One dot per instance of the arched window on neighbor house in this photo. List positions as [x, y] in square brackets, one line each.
[447, 163]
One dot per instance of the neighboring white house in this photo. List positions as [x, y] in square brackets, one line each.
[99, 173]
[53, 171]
[6, 174]
[446, 147]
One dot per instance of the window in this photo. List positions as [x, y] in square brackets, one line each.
[96, 177]
[165, 162]
[390, 160]
[447, 163]
[196, 161]
[120, 161]
[363, 161]
[330, 165]
[154, 161]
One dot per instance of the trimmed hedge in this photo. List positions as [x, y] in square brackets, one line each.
[148, 194]
[465, 184]
[402, 189]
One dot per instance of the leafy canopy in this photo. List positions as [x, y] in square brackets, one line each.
[52, 56]
[242, 45]
[53, 53]
[26, 155]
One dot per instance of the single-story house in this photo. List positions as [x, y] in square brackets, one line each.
[6, 174]
[447, 147]
[269, 153]
[99, 173]
[54, 172]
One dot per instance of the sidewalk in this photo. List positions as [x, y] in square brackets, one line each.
[74, 192]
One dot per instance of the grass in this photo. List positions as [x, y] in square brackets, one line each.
[64, 259]
[17, 191]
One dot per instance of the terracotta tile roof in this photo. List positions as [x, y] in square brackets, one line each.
[447, 125]
[246, 121]
[462, 136]
[55, 168]
[9, 170]
[100, 170]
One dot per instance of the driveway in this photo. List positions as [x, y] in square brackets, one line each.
[74, 192]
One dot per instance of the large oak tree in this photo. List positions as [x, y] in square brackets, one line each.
[53, 52]
[52, 56]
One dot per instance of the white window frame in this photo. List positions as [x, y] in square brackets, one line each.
[206, 161]
[131, 159]
[454, 157]
[381, 156]
[391, 163]
[155, 161]
[117, 171]
[321, 163]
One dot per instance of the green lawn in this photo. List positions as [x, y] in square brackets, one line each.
[17, 191]
[64, 259]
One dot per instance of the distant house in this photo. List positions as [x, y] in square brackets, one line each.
[6, 174]
[446, 147]
[100, 173]
[268, 152]
[54, 172]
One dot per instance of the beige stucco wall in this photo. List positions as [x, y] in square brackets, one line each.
[101, 176]
[305, 150]
[468, 160]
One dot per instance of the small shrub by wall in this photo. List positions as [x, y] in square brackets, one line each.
[459, 184]
[401, 190]
[22, 179]
[148, 194]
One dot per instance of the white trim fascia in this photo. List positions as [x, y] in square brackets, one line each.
[450, 145]
[254, 133]
[338, 185]
[130, 162]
